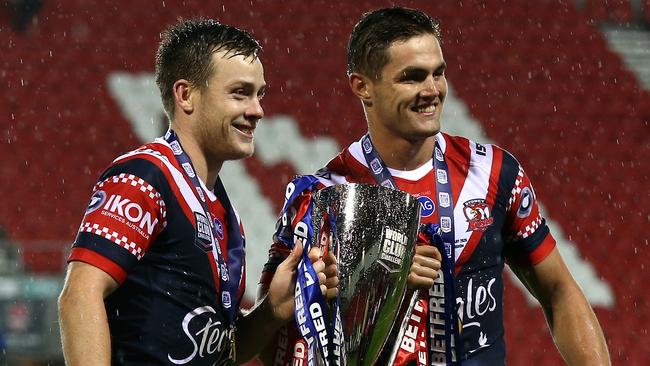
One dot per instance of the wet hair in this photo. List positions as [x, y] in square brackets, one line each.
[185, 52]
[377, 30]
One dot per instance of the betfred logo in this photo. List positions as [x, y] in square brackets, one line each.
[131, 211]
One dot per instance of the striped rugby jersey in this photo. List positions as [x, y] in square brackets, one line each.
[146, 228]
[496, 219]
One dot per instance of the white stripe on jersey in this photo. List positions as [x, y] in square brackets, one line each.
[474, 187]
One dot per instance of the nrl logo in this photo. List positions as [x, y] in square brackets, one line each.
[477, 213]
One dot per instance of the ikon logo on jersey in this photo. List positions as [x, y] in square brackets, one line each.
[477, 213]
[125, 211]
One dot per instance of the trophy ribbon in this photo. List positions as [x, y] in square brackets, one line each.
[311, 311]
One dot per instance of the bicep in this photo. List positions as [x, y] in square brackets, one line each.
[86, 279]
[546, 279]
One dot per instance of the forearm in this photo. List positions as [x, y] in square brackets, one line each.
[576, 330]
[255, 330]
[84, 331]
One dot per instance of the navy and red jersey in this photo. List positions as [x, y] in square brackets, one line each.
[496, 220]
[146, 228]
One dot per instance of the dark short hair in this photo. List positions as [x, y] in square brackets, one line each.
[377, 30]
[185, 52]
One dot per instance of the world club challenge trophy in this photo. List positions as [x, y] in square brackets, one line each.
[372, 231]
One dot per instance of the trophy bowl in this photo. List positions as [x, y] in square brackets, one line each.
[372, 231]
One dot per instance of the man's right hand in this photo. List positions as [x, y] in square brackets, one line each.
[425, 268]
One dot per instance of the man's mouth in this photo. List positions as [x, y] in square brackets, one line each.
[244, 128]
[427, 109]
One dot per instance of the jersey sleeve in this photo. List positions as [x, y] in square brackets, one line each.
[528, 238]
[122, 220]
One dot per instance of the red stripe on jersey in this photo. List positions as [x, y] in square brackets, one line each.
[493, 188]
[543, 250]
[97, 260]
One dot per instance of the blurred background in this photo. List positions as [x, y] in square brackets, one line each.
[563, 85]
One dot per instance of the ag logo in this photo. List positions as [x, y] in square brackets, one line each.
[96, 201]
[427, 207]
[477, 213]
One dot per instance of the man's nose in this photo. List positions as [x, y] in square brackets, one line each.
[430, 89]
[255, 110]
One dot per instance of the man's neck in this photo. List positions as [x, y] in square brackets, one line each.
[402, 154]
[206, 170]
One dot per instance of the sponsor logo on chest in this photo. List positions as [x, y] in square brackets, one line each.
[207, 337]
[427, 207]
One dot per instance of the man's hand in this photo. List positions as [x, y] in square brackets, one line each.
[425, 267]
[327, 271]
[282, 287]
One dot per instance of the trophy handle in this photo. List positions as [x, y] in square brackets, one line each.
[407, 315]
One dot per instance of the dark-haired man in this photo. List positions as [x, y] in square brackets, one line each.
[156, 272]
[479, 195]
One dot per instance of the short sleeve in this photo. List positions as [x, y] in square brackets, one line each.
[124, 216]
[528, 237]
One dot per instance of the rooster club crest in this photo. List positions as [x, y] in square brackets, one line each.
[477, 213]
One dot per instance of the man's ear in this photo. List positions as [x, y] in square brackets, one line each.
[361, 86]
[184, 96]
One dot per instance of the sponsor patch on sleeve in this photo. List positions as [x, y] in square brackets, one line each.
[126, 210]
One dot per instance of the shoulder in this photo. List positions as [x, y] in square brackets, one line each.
[349, 166]
[152, 163]
[475, 153]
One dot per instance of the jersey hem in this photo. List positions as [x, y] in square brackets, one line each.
[97, 260]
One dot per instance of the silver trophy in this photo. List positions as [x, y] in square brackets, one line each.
[372, 230]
